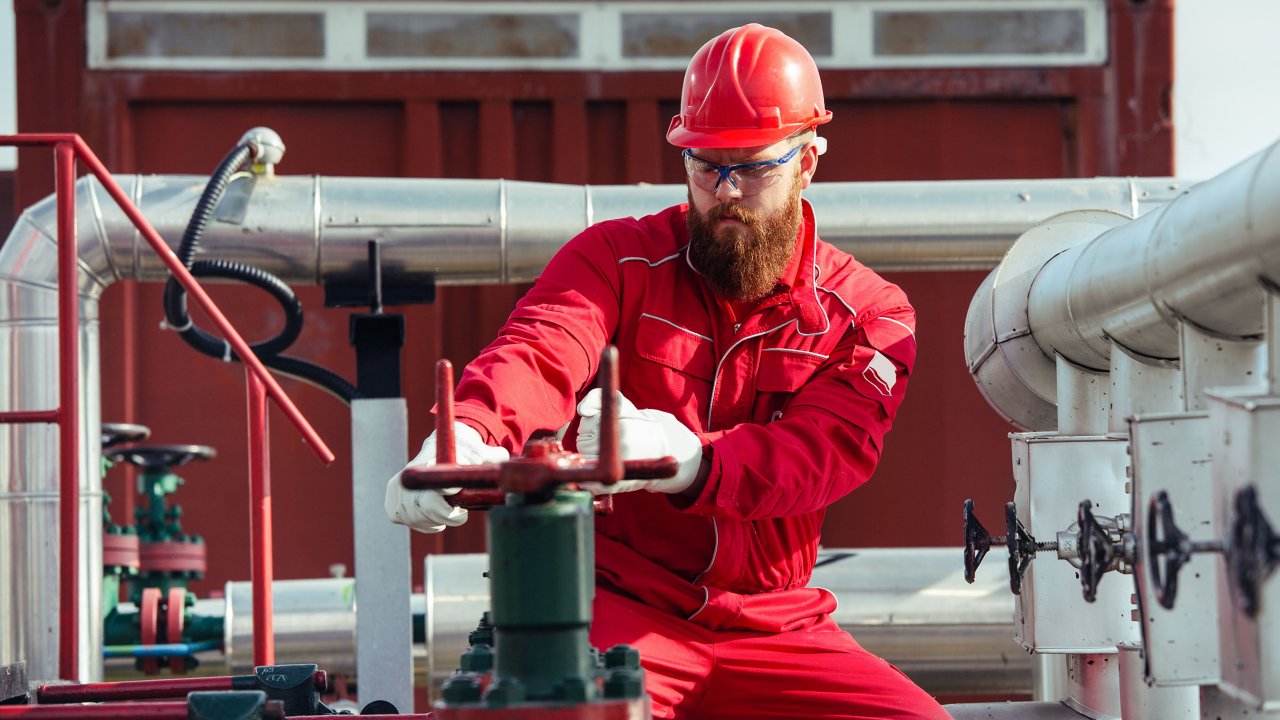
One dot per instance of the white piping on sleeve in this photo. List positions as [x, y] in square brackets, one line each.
[678, 327]
[715, 379]
[820, 356]
[899, 322]
[647, 261]
[715, 548]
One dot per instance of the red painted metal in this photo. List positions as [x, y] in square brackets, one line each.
[131, 690]
[138, 711]
[121, 551]
[68, 407]
[175, 620]
[149, 627]
[203, 300]
[154, 689]
[30, 416]
[67, 149]
[446, 443]
[174, 556]
[264, 650]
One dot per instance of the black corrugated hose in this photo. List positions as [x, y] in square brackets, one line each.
[175, 297]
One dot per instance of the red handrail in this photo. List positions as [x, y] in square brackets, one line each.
[69, 147]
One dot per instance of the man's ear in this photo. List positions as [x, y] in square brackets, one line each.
[808, 165]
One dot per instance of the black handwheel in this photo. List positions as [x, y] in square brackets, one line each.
[1254, 549]
[161, 457]
[1096, 550]
[977, 541]
[1167, 549]
[117, 433]
[1021, 547]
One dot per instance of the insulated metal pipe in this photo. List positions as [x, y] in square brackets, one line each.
[312, 230]
[1080, 281]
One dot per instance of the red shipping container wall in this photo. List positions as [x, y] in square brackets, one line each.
[566, 127]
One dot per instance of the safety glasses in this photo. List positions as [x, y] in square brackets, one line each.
[747, 178]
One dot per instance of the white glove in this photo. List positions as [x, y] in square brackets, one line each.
[644, 435]
[426, 510]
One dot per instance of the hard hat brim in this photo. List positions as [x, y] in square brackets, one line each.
[683, 137]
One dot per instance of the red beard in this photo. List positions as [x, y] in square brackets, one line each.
[744, 262]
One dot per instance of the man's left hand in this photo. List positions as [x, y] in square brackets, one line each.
[645, 434]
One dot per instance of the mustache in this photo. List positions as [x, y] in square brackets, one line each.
[732, 211]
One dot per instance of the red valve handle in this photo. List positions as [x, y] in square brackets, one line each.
[543, 465]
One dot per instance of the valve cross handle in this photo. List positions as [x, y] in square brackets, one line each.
[543, 467]
[1169, 548]
[1097, 548]
[1022, 546]
[1252, 550]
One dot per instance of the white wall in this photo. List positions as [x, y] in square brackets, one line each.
[1226, 97]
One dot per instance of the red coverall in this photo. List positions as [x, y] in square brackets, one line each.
[791, 402]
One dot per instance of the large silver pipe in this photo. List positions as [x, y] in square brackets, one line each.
[1081, 281]
[312, 230]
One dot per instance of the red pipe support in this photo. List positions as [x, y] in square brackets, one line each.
[176, 710]
[134, 711]
[69, 410]
[131, 690]
[264, 650]
[31, 416]
[203, 300]
[67, 148]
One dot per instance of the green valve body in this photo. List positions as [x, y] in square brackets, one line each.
[542, 583]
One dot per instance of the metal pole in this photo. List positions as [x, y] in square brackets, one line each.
[264, 651]
[69, 415]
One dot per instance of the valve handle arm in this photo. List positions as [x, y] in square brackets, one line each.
[1254, 551]
[544, 465]
[1097, 550]
[1168, 549]
[160, 457]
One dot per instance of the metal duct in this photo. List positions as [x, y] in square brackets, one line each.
[1083, 280]
[309, 230]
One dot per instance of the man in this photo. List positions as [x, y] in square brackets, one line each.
[768, 363]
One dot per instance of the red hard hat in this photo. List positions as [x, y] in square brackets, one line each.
[751, 86]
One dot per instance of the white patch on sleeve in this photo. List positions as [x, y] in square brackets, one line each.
[881, 373]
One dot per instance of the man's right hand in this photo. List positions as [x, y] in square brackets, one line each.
[426, 510]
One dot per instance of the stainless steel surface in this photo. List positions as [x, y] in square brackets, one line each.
[312, 229]
[1083, 399]
[1212, 362]
[315, 622]
[1139, 701]
[908, 605]
[1138, 388]
[1171, 453]
[1016, 376]
[1199, 258]
[1243, 426]
[384, 624]
[29, 521]
[1012, 711]
[1053, 473]
[1093, 685]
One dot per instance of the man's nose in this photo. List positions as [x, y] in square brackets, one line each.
[727, 190]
